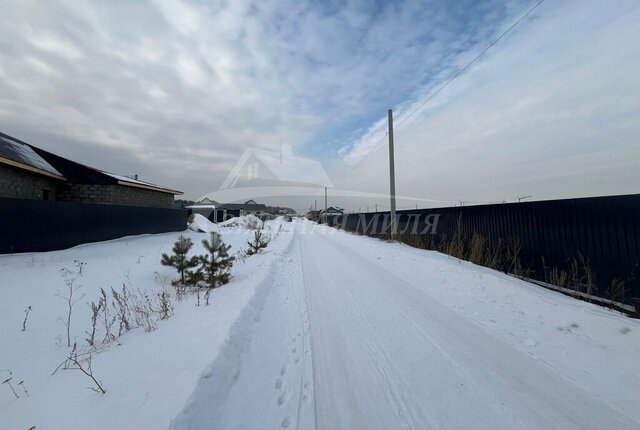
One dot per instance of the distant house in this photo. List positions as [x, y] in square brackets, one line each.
[28, 172]
[262, 168]
[204, 207]
[206, 202]
[230, 210]
[328, 215]
[332, 211]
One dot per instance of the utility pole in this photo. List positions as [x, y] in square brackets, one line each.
[392, 177]
[325, 205]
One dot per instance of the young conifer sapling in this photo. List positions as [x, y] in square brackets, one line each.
[179, 260]
[216, 265]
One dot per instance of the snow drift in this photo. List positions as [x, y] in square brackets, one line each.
[202, 225]
[250, 222]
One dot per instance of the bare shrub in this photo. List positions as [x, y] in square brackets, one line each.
[165, 307]
[582, 277]
[495, 255]
[70, 278]
[241, 255]
[96, 308]
[181, 291]
[252, 224]
[120, 304]
[477, 249]
[514, 265]
[617, 290]
[26, 315]
[82, 364]
[107, 319]
[143, 310]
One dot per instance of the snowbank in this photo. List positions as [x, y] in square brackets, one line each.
[147, 376]
[250, 222]
[202, 225]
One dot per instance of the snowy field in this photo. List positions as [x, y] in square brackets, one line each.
[147, 375]
[323, 330]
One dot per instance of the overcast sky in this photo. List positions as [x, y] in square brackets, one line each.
[176, 91]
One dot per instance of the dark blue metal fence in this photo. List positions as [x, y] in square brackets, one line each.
[41, 225]
[604, 230]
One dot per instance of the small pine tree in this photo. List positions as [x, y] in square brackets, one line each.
[259, 242]
[194, 277]
[216, 265]
[179, 259]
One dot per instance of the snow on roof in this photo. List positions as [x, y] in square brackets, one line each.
[200, 207]
[23, 154]
[138, 182]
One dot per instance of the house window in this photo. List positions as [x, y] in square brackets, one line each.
[45, 194]
[252, 171]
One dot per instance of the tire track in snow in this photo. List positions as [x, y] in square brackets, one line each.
[502, 374]
[242, 378]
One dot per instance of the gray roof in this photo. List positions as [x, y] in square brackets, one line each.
[33, 157]
[19, 152]
[242, 206]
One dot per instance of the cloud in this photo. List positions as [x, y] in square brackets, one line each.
[551, 111]
[175, 91]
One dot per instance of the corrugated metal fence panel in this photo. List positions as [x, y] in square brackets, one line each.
[604, 230]
[39, 225]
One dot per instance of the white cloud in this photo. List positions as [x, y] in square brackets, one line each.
[55, 45]
[177, 90]
[551, 111]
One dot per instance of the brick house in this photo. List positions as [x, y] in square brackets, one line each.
[230, 210]
[28, 172]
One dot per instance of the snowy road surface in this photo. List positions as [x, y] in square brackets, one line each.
[348, 332]
[322, 330]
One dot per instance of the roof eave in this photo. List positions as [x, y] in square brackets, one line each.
[150, 187]
[31, 168]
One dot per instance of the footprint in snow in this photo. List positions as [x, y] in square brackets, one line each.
[282, 397]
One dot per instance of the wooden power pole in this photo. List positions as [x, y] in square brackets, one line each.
[392, 178]
[325, 205]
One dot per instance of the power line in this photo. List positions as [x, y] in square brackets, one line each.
[469, 64]
[456, 75]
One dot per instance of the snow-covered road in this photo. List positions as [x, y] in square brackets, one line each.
[352, 333]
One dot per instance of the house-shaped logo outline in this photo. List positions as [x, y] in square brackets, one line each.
[284, 165]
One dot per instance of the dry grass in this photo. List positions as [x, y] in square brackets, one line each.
[505, 255]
